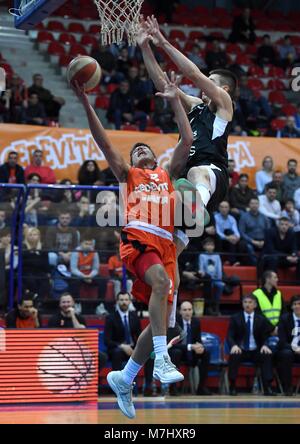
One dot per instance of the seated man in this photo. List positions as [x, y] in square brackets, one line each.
[66, 317]
[246, 337]
[25, 315]
[269, 205]
[252, 226]
[240, 196]
[62, 239]
[122, 328]
[228, 232]
[281, 248]
[84, 267]
[191, 351]
[289, 344]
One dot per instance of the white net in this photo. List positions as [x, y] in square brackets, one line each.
[119, 17]
[24, 6]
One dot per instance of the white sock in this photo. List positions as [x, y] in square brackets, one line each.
[130, 371]
[160, 346]
[204, 192]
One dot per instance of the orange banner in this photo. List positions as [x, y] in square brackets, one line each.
[65, 149]
[48, 365]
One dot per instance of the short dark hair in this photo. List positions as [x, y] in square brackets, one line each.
[122, 292]
[284, 219]
[208, 240]
[267, 274]
[227, 78]
[254, 198]
[87, 236]
[140, 144]
[289, 200]
[293, 160]
[243, 175]
[295, 298]
[266, 35]
[12, 152]
[249, 296]
[270, 186]
[28, 296]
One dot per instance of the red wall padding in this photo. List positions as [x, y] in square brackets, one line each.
[48, 365]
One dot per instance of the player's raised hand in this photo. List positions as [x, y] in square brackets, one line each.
[153, 28]
[80, 92]
[171, 87]
[143, 35]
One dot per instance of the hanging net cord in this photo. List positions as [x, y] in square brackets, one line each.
[117, 17]
[23, 7]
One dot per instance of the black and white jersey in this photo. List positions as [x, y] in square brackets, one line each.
[210, 138]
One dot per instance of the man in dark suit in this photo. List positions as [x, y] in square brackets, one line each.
[122, 328]
[289, 344]
[246, 337]
[191, 351]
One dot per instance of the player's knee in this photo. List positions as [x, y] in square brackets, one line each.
[161, 285]
[198, 174]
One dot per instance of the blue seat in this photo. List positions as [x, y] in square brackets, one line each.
[272, 343]
[102, 346]
[213, 345]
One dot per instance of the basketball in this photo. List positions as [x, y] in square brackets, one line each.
[85, 70]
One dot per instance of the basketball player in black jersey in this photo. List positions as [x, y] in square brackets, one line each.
[205, 173]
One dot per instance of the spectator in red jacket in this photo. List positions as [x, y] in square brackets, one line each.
[46, 173]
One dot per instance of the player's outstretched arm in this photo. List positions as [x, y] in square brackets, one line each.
[220, 97]
[182, 149]
[154, 70]
[116, 162]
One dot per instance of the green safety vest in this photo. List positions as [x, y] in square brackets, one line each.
[271, 312]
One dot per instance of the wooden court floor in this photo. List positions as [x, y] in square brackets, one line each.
[183, 410]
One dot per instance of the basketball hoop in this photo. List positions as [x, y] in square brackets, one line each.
[118, 17]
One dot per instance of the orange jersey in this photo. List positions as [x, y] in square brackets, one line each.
[115, 264]
[150, 198]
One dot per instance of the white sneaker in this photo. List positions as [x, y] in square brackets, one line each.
[78, 308]
[165, 371]
[123, 392]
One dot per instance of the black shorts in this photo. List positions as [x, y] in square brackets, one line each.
[222, 186]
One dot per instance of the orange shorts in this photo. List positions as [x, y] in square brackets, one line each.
[136, 242]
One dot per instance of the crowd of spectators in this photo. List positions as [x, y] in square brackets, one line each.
[63, 249]
[29, 105]
[130, 94]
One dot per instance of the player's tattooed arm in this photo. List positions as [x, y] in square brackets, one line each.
[116, 162]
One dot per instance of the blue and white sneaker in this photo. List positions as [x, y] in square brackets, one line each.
[123, 392]
[165, 371]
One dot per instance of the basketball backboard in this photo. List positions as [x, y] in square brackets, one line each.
[29, 13]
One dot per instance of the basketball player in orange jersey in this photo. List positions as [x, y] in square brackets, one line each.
[147, 247]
